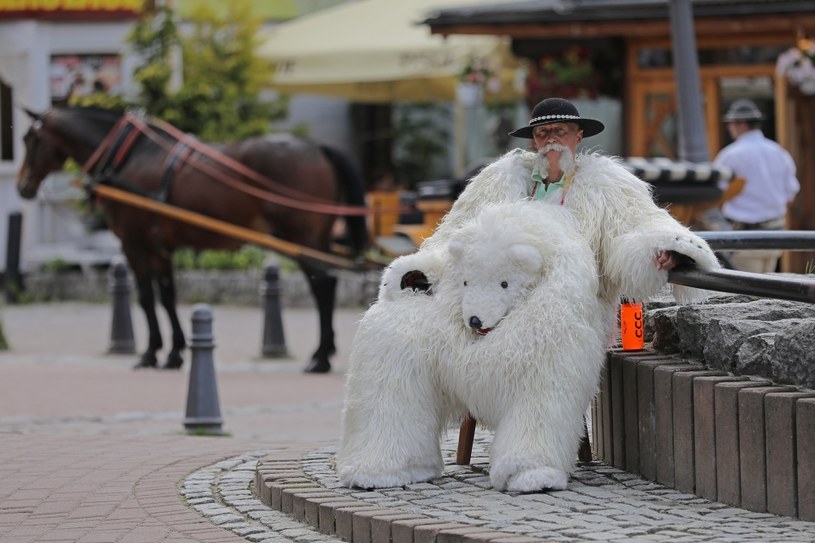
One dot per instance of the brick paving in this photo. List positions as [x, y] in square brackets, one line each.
[93, 451]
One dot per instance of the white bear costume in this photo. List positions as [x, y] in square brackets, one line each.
[614, 211]
[415, 364]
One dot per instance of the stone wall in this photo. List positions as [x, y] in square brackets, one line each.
[720, 403]
[739, 440]
[194, 286]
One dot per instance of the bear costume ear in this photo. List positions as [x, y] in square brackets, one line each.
[527, 258]
[416, 280]
[456, 249]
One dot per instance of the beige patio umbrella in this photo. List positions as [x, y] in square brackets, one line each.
[377, 51]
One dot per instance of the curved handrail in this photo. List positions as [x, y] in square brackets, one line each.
[784, 287]
[787, 240]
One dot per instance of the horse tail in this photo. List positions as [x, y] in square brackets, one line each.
[354, 192]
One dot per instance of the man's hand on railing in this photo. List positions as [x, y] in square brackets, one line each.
[666, 260]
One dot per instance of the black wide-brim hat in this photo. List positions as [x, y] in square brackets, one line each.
[558, 110]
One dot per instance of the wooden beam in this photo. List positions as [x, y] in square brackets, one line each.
[715, 27]
[238, 232]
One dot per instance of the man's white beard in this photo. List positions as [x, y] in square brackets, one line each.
[565, 163]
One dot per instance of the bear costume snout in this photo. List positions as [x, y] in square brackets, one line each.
[476, 324]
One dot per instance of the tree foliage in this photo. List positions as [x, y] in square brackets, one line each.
[153, 38]
[220, 97]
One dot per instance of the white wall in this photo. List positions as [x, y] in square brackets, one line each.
[328, 120]
[27, 47]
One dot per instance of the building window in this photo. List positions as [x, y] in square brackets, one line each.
[6, 131]
[75, 76]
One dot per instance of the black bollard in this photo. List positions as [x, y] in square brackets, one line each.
[203, 411]
[121, 326]
[274, 342]
[13, 284]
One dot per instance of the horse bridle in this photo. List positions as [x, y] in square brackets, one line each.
[36, 129]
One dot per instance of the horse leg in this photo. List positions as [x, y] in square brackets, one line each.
[147, 301]
[166, 289]
[324, 289]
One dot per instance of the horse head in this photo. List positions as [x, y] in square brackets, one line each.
[42, 156]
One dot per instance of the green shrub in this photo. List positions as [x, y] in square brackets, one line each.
[246, 258]
[57, 265]
[3, 342]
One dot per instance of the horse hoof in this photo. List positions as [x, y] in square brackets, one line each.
[317, 365]
[145, 362]
[174, 362]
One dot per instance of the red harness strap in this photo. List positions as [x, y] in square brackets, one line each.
[116, 145]
[106, 142]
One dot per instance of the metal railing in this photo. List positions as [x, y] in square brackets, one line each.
[784, 287]
[739, 240]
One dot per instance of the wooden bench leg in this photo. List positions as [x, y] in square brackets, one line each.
[466, 434]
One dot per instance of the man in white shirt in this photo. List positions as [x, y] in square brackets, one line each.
[770, 183]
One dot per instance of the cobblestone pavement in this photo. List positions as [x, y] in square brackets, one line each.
[93, 451]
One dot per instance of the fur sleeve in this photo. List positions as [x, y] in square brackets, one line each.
[630, 258]
[635, 231]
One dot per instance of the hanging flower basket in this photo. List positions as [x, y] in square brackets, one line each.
[797, 64]
[568, 74]
[477, 78]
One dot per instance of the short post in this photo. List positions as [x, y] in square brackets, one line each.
[274, 342]
[13, 284]
[203, 414]
[121, 326]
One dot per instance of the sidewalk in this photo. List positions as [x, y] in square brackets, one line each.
[93, 451]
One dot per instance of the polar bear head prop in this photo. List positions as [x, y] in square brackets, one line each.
[491, 287]
[505, 252]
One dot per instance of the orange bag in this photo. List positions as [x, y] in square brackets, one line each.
[631, 326]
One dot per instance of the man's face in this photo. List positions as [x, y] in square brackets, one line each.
[566, 134]
[735, 128]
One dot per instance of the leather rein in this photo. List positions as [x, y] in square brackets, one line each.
[182, 149]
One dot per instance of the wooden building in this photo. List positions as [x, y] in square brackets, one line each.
[627, 46]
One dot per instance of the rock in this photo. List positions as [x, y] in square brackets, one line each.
[793, 359]
[693, 322]
[660, 328]
[725, 338]
[773, 339]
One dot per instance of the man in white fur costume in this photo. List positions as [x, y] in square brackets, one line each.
[396, 399]
[509, 333]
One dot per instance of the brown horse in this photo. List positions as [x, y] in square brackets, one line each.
[278, 184]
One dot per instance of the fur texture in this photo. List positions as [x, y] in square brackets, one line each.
[418, 361]
[614, 211]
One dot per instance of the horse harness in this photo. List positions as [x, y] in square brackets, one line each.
[107, 161]
[105, 164]
[112, 153]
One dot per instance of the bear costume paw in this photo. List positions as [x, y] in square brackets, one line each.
[537, 479]
[368, 479]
